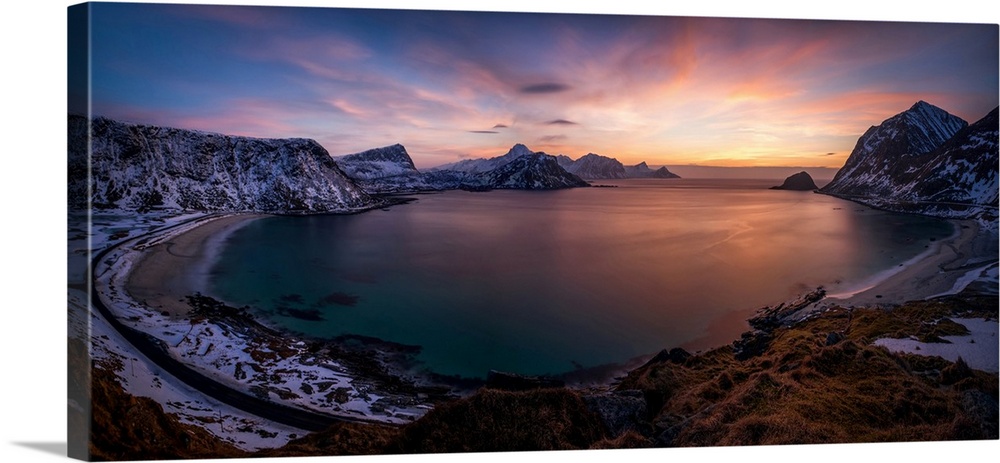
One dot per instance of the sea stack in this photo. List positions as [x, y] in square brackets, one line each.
[798, 182]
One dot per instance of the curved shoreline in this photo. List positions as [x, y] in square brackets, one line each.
[183, 343]
[931, 274]
[161, 358]
[163, 275]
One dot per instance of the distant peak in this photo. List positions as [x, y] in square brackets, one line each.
[519, 150]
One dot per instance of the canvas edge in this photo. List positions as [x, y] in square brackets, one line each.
[78, 387]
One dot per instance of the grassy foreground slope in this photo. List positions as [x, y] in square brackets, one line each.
[822, 381]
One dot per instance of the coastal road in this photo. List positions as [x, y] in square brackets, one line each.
[152, 348]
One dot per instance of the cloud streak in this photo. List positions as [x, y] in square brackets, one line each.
[543, 88]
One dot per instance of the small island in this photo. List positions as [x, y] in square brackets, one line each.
[801, 181]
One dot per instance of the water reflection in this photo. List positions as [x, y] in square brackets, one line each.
[541, 282]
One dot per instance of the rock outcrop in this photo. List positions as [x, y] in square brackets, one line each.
[801, 181]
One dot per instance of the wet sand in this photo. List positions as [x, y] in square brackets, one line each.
[178, 266]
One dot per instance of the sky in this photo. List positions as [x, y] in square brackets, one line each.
[455, 85]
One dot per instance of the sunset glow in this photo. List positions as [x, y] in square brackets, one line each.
[665, 90]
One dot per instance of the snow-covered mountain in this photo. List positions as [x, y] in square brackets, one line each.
[593, 166]
[923, 160]
[478, 166]
[535, 171]
[641, 170]
[390, 170]
[892, 149]
[387, 170]
[388, 161]
[141, 167]
[520, 168]
[963, 169]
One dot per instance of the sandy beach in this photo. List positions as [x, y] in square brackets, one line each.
[935, 274]
[177, 267]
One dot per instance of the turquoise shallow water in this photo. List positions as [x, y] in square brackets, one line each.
[547, 282]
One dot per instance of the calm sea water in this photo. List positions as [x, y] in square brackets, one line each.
[547, 282]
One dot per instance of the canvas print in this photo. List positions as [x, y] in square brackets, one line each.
[339, 231]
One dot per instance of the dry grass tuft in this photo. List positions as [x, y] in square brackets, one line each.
[492, 421]
[339, 439]
[628, 440]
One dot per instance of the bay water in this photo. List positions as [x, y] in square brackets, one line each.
[545, 282]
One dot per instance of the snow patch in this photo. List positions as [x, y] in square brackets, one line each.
[978, 349]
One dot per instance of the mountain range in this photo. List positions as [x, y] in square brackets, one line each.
[595, 166]
[922, 160]
[390, 170]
